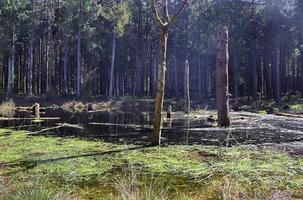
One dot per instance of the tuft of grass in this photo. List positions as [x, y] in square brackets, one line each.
[129, 187]
[7, 108]
[73, 107]
[34, 193]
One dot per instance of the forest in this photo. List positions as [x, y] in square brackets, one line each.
[151, 99]
[90, 48]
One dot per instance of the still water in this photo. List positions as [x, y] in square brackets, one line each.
[136, 128]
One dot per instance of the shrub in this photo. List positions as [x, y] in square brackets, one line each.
[73, 106]
[7, 108]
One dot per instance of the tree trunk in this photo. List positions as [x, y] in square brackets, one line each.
[50, 63]
[164, 27]
[236, 81]
[79, 63]
[30, 63]
[11, 64]
[160, 87]
[277, 89]
[176, 75]
[200, 77]
[112, 68]
[222, 78]
[117, 85]
[65, 66]
[186, 87]
[301, 68]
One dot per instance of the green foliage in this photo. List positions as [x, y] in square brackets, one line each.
[118, 13]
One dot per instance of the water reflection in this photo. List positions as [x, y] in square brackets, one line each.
[136, 127]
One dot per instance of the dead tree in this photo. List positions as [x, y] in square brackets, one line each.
[186, 87]
[222, 77]
[36, 110]
[164, 26]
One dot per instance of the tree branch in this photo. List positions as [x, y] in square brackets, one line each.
[165, 11]
[155, 13]
[178, 13]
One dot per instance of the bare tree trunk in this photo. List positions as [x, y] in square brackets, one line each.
[160, 88]
[253, 54]
[200, 77]
[47, 74]
[301, 68]
[79, 63]
[277, 89]
[117, 85]
[112, 68]
[11, 65]
[236, 81]
[186, 87]
[176, 76]
[65, 66]
[30, 63]
[222, 78]
[164, 27]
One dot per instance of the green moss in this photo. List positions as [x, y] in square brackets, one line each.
[297, 106]
[89, 168]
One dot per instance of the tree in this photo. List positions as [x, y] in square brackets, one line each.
[186, 87]
[118, 14]
[31, 52]
[79, 69]
[222, 77]
[164, 26]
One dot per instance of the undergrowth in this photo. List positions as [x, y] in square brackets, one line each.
[7, 109]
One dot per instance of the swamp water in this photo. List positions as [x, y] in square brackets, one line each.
[136, 127]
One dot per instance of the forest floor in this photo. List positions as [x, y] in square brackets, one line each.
[73, 168]
[235, 163]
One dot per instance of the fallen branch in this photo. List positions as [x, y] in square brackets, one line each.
[122, 125]
[288, 115]
[64, 125]
[28, 118]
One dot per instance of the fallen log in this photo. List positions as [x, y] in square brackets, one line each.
[96, 111]
[64, 125]
[122, 125]
[289, 115]
[28, 118]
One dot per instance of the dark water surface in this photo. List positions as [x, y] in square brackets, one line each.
[136, 127]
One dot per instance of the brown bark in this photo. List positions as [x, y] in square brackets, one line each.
[156, 140]
[36, 110]
[164, 27]
[222, 78]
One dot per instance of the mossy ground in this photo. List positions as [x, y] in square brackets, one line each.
[289, 103]
[90, 169]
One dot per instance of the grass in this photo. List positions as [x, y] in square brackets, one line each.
[34, 193]
[7, 109]
[90, 169]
